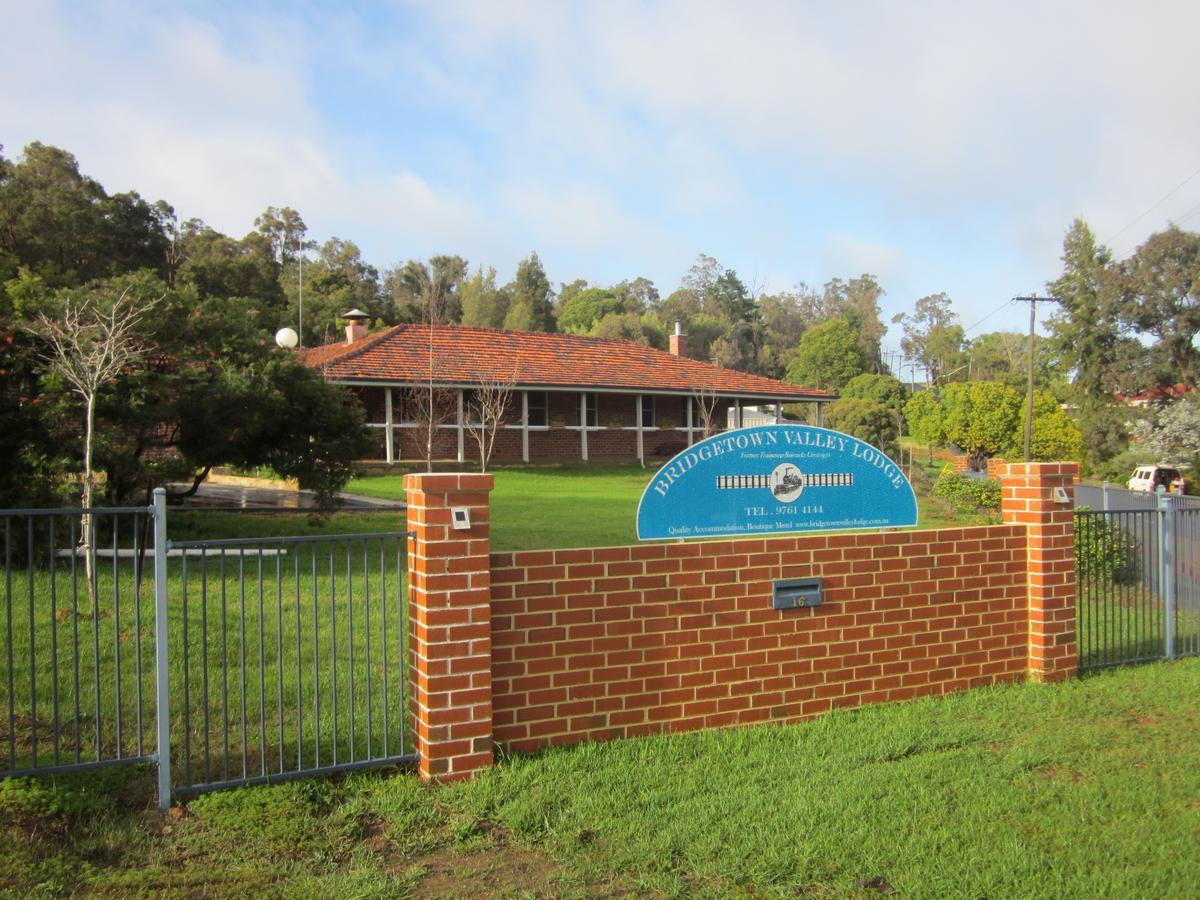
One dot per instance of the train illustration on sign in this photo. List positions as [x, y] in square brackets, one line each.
[790, 481]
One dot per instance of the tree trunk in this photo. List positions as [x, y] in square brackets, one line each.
[89, 521]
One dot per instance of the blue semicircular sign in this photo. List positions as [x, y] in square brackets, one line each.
[772, 479]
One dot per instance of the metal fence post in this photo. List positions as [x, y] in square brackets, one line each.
[162, 675]
[1166, 553]
[1105, 505]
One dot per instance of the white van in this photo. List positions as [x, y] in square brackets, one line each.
[1149, 478]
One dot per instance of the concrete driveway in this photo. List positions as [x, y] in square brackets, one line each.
[237, 497]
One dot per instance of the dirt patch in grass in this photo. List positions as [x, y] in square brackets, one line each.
[490, 868]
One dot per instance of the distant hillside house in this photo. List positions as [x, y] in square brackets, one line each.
[573, 398]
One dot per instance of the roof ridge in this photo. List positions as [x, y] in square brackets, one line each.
[358, 347]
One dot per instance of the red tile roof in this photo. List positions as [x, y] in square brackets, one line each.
[464, 355]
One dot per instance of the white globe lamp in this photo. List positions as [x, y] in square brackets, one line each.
[286, 338]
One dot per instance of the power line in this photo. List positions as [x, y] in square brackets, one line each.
[1187, 215]
[1176, 221]
[1159, 203]
[1004, 305]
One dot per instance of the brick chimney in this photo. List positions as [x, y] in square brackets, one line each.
[678, 343]
[356, 325]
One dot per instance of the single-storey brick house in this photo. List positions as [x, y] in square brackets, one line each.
[573, 398]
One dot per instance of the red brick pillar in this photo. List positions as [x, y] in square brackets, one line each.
[450, 623]
[1029, 499]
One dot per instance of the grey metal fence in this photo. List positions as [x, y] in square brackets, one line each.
[1138, 581]
[225, 662]
[79, 620]
[291, 658]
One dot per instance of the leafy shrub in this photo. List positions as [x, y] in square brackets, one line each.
[972, 496]
[866, 420]
[1104, 553]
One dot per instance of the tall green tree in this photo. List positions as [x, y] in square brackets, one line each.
[828, 356]
[933, 336]
[285, 232]
[857, 300]
[424, 292]
[220, 266]
[64, 227]
[484, 305]
[1085, 335]
[639, 295]
[532, 305]
[336, 281]
[783, 324]
[1158, 293]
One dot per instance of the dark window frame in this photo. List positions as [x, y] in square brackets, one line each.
[648, 411]
[531, 408]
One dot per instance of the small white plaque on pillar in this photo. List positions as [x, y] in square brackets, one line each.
[460, 518]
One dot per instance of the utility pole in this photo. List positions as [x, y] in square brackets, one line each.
[300, 322]
[1033, 302]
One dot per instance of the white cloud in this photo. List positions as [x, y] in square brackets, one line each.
[171, 109]
[941, 146]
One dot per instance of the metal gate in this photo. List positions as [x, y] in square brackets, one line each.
[239, 661]
[1137, 580]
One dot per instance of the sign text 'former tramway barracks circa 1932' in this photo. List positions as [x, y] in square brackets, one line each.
[772, 479]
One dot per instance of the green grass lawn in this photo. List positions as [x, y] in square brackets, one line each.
[1073, 790]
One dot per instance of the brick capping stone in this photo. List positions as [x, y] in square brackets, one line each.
[542, 647]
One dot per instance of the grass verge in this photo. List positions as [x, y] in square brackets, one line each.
[1028, 790]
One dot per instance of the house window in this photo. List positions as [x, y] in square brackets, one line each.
[590, 408]
[647, 412]
[537, 405]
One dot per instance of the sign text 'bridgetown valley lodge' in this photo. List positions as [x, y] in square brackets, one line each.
[772, 479]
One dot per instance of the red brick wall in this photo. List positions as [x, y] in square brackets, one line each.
[633, 640]
[553, 646]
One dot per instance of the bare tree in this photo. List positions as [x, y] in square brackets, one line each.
[429, 407]
[433, 406]
[485, 414]
[91, 344]
[706, 407]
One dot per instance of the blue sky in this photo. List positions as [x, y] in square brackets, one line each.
[939, 146]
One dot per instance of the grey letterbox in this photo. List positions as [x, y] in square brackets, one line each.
[795, 593]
